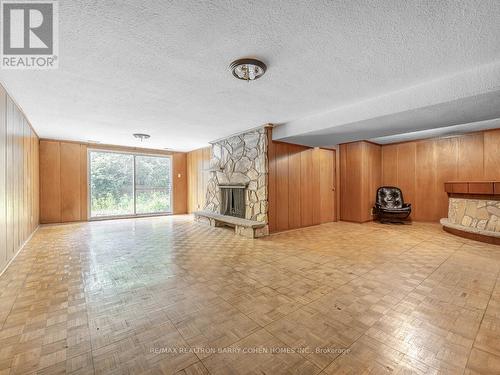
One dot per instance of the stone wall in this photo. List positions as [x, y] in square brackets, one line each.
[241, 159]
[475, 213]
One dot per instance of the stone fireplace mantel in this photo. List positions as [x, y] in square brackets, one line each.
[233, 186]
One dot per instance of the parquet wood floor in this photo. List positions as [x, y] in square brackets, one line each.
[168, 295]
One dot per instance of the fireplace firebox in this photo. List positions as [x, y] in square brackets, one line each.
[232, 200]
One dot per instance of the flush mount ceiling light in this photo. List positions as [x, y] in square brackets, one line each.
[141, 136]
[248, 69]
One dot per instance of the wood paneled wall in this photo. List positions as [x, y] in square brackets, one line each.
[360, 176]
[301, 186]
[18, 179]
[64, 179]
[198, 163]
[420, 168]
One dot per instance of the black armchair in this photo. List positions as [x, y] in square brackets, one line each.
[390, 206]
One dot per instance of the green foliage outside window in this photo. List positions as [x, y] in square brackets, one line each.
[112, 179]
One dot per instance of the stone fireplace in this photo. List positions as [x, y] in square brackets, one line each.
[481, 214]
[239, 163]
[474, 210]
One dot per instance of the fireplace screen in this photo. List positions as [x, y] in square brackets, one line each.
[233, 201]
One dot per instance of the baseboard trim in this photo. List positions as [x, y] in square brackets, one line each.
[19, 251]
[357, 222]
[299, 228]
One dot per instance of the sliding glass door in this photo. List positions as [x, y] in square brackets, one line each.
[124, 184]
[152, 185]
[111, 184]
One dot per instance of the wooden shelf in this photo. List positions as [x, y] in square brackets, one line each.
[473, 187]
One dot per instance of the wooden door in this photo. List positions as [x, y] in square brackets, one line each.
[294, 187]
[327, 185]
[282, 186]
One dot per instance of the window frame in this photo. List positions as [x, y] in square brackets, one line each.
[135, 214]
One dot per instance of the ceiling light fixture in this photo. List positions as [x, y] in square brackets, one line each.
[248, 69]
[141, 136]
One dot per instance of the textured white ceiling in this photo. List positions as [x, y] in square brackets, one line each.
[463, 98]
[445, 131]
[160, 67]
